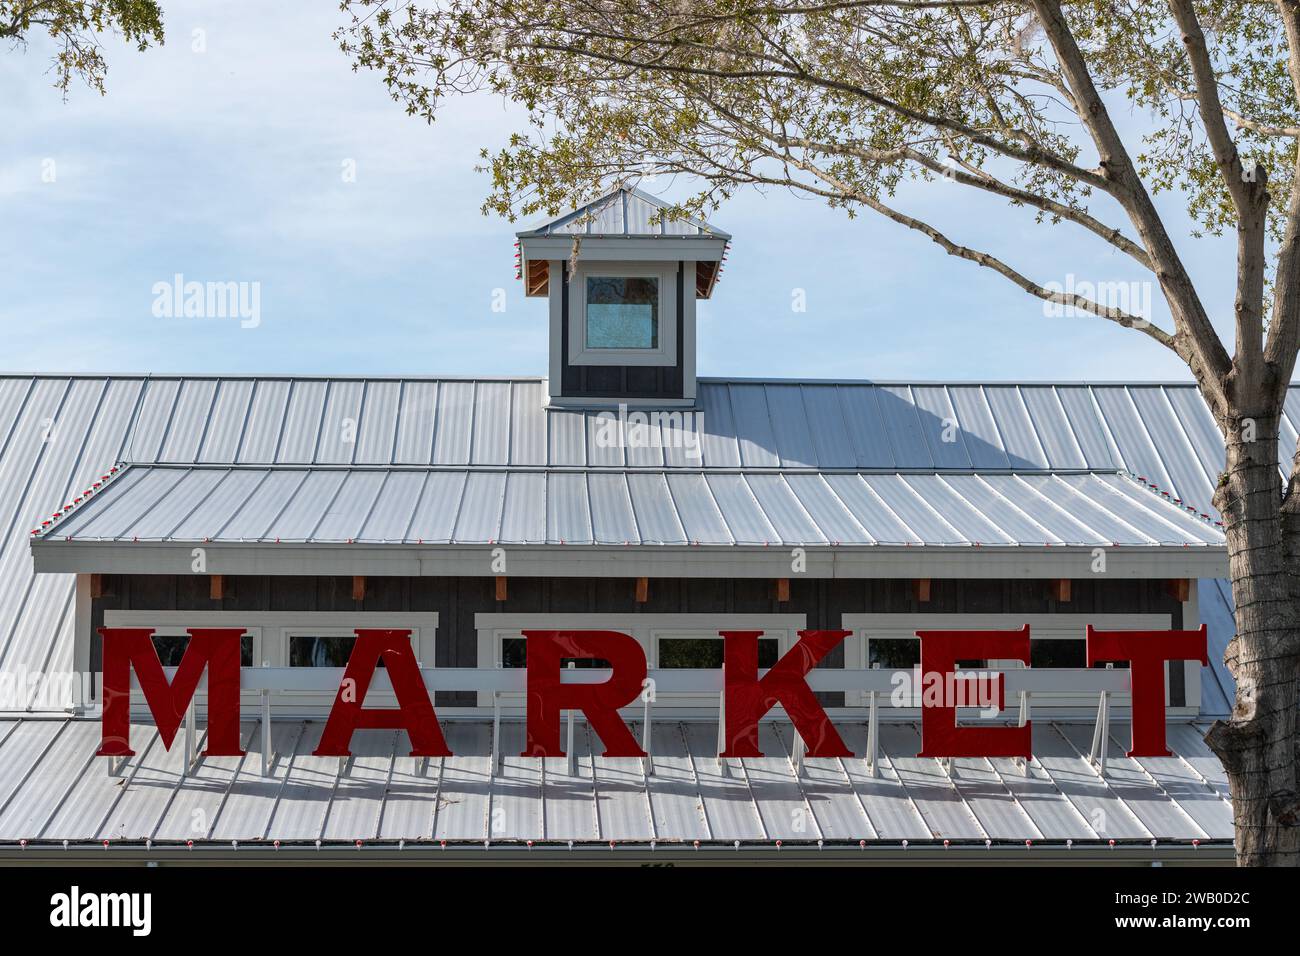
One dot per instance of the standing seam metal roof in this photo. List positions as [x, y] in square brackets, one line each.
[385, 505]
[59, 433]
[52, 788]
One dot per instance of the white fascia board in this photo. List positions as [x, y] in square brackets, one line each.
[613, 404]
[242, 558]
[596, 248]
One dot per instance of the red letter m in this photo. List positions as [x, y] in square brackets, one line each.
[214, 648]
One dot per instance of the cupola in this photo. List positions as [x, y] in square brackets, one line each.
[622, 280]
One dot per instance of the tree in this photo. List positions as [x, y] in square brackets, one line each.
[847, 99]
[75, 27]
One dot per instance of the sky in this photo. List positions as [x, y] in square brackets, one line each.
[246, 150]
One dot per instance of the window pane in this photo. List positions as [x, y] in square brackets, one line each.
[1058, 653]
[172, 649]
[622, 313]
[894, 653]
[311, 651]
[514, 653]
[707, 652]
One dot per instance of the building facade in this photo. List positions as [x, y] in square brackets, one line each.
[619, 492]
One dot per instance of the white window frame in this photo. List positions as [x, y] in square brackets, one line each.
[647, 629]
[271, 631]
[664, 354]
[1042, 627]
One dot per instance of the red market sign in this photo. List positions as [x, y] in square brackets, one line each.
[747, 696]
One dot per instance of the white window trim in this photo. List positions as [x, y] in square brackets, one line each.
[288, 633]
[665, 354]
[271, 630]
[1041, 627]
[647, 629]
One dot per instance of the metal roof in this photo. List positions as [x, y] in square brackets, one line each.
[626, 211]
[399, 505]
[58, 434]
[53, 789]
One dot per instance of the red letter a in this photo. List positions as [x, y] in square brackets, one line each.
[547, 696]
[414, 712]
[216, 648]
[749, 698]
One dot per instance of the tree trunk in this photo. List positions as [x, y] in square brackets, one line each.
[1257, 745]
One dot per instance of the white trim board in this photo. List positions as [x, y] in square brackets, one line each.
[647, 629]
[1057, 626]
[663, 354]
[271, 631]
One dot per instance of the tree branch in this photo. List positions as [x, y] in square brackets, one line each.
[1205, 354]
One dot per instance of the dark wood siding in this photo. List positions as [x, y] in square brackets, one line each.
[623, 381]
[457, 600]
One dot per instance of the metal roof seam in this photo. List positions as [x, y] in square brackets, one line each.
[1033, 426]
[872, 539]
[1156, 457]
[695, 779]
[279, 790]
[960, 538]
[207, 419]
[37, 460]
[956, 420]
[943, 480]
[997, 426]
[284, 421]
[1069, 424]
[958, 781]
[127, 783]
[917, 539]
[1106, 784]
[199, 745]
[1020, 511]
[1082, 493]
[1139, 762]
[69, 604]
[1164, 502]
[334, 790]
[325, 511]
[798, 782]
[1191, 447]
[1048, 502]
[204, 496]
[415, 508]
[56, 805]
[248, 497]
[857, 798]
[379, 493]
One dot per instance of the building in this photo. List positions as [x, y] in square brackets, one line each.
[619, 492]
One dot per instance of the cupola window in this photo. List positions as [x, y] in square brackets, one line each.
[622, 312]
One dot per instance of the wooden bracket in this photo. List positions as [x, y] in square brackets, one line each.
[216, 587]
[537, 279]
[358, 587]
[921, 590]
[501, 587]
[782, 590]
[642, 590]
[1059, 589]
[1180, 589]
